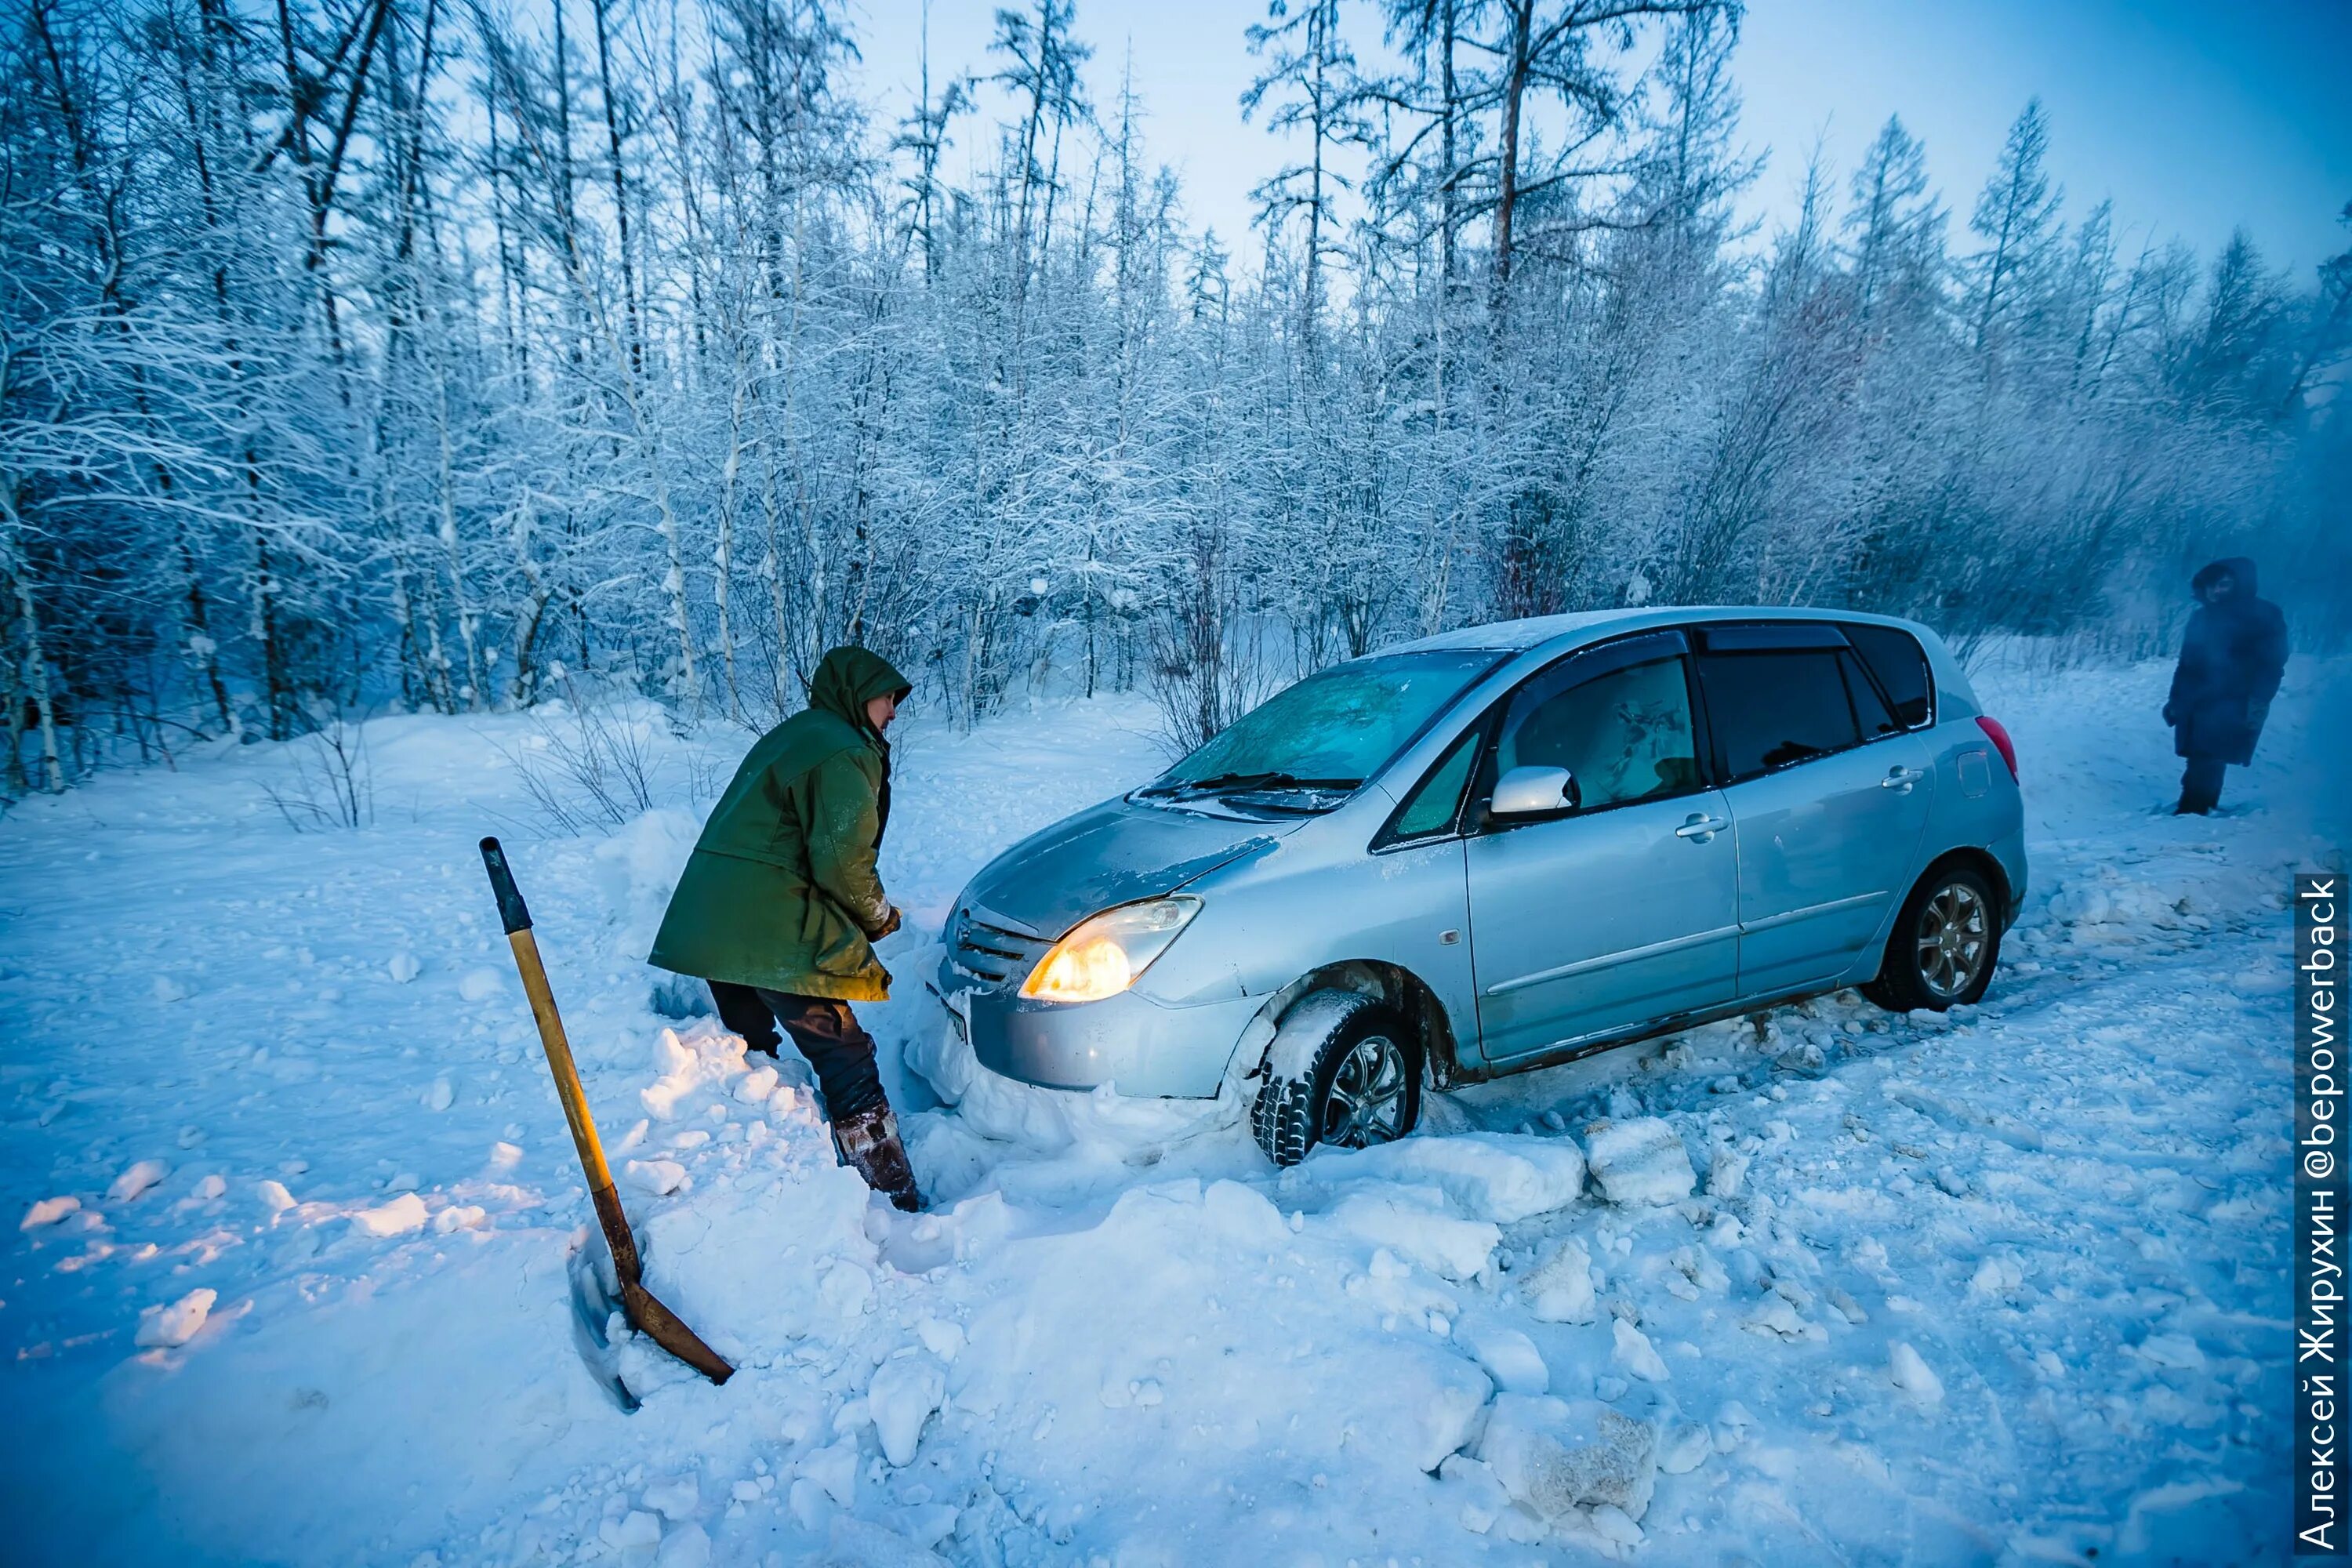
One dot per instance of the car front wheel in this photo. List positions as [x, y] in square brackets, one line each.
[1343, 1069]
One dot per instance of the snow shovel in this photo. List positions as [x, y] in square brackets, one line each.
[644, 1313]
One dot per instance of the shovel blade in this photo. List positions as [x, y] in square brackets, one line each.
[666, 1329]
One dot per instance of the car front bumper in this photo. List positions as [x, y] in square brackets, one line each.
[1140, 1047]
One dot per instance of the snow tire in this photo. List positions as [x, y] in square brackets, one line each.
[1327, 1038]
[1944, 946]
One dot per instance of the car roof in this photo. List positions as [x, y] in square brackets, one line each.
[1538, 631]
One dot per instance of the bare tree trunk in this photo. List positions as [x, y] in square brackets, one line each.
[37, 664]
[476, 687]
[1507, 190]
[620, 190]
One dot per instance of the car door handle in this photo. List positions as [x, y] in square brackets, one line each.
[1902, 778]
[1701, 828]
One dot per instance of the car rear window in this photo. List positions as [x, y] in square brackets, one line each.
[1898, 661]
[1773, 708]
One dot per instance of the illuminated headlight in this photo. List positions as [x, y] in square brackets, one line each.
[1105, 954]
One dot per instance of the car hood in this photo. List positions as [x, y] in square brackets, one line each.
[1114, 853]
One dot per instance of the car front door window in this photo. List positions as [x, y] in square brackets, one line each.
[1624, 735]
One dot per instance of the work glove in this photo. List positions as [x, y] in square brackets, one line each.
[890, 923]
[2169, 720]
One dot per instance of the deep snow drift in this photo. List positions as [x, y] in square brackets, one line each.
[301, 1271]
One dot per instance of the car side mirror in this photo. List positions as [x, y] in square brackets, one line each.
[1535, 792]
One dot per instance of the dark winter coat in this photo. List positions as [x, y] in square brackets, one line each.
[2232, 657]
[780, 891]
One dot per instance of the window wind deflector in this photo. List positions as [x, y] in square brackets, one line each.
[1752, 637]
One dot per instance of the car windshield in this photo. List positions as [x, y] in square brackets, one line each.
[1333, 729]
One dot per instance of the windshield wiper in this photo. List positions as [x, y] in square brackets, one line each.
[1222, 784]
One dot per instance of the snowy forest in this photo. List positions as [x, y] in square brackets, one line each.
[369, 356]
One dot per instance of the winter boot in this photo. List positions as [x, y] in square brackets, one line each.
[869, 1145]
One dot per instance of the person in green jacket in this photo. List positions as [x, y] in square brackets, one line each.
[780, 905]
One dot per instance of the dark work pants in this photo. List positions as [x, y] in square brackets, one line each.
[2200, 784]
[826, 1031]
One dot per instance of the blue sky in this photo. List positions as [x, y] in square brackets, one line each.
[2193, 118]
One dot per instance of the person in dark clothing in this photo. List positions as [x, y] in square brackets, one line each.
[780, 905]
[2232, 658]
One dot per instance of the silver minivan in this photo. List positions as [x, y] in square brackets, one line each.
[1501, 849]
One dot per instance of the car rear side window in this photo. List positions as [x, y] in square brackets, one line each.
[1773, 707]
[1898, 661]
[1869, 707]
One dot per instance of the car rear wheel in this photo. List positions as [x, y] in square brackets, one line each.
[1945, 941]
[1344, 1069]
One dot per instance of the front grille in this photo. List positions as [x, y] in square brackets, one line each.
[991, 953]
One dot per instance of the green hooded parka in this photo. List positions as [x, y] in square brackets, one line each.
[780, 891]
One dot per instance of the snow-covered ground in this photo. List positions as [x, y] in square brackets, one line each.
[300, 1271]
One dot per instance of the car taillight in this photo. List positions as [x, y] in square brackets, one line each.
[2001, 742]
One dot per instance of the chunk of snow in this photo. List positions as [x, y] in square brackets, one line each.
[1444, 1402]
[1553, 1456]
[1614, 1523]
[1477, 1498]
[1510, 1357]
[439, 1096]
[170, 1327]
[461, 1216]
[1500, 1176]
[903, 1393]
[1731, 1424]
[1777, 1318]
[679, 1497]
[1639, 1160]
[685, 1547]
[635, 1539]
[1456, 1248]
[398, 1217]
[659, 1177]
[942, 1339]
[1996, 1279]
[48, 1211]
[1698, 1265]
[168, 990]
[1727, 1171]
[403, 967]
[756, 1085]
[1913, 1375]
[835, 1470]
[1685, 1448]
[273, 1195]
[136, 1178]
[1636, 1354]
[209, 1188]
[1560, 1289]
[847, 1289]
[2176, 1351]
[479, 984]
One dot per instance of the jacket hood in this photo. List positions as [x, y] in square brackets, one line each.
[850, 677]
[1114, 853]
[2240, 567]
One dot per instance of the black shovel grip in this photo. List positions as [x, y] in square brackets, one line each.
[512, 913]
